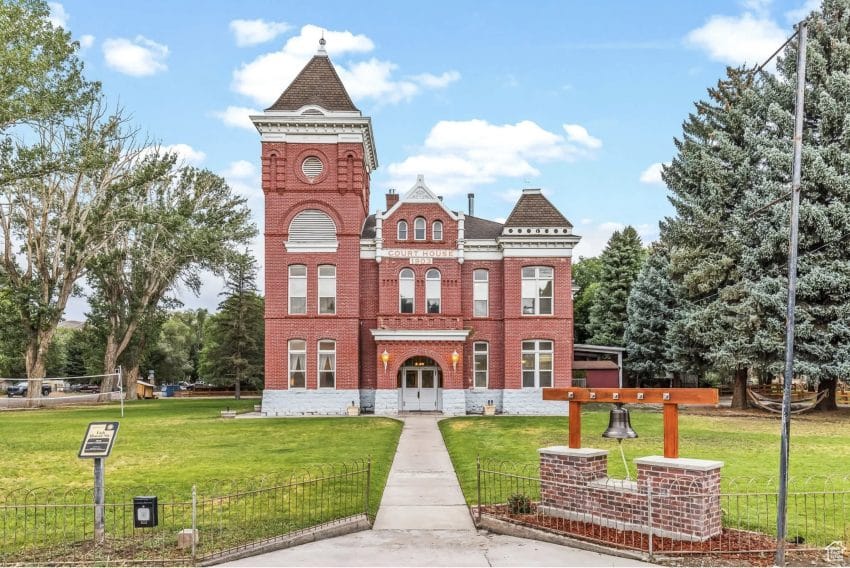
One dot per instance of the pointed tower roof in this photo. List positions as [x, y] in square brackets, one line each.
[317, 84]
[534, 210]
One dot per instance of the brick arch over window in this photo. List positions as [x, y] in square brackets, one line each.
[312, 225]
[287, 216]
[402, 357]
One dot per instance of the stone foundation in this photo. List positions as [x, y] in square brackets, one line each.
[685, 493]
[530, 401]
[454, 402]
[325, 402]
[477, 398]
[386, 402]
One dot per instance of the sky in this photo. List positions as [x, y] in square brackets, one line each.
[581, 99]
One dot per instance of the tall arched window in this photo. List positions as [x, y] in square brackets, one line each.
[419, 229]
[402, 230]
[297, 289]
[480, 292]
[406, 291]
[297, 364]
[312, 230]
[327, 364]
[437, 231]
[432, 291]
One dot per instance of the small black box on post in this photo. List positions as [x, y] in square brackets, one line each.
[145, 512]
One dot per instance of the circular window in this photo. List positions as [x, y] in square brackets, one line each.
[312, 167]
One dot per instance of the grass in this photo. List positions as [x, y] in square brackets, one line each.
[749, 446]
[182, 442]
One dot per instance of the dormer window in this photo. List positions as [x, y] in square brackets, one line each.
[437, 231]
[402, 230]
[419, 229]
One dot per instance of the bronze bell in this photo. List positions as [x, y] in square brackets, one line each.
[619, 425]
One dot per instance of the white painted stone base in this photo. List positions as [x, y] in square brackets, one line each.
[530, 401]
[477, 398]
[367, 400]
[386, 402]
[309, 402]
[454, 402]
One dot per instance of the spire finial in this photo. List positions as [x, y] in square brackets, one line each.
[322, 43]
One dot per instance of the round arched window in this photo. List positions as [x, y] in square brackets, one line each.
[312, 167]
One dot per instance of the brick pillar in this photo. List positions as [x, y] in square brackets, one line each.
[564, 473]
[685, 496]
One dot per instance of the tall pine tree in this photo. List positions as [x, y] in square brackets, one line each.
[621, 262]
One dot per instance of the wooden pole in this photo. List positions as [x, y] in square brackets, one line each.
[575, 424]
[671, 430]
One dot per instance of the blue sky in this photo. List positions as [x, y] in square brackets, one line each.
[582, 99]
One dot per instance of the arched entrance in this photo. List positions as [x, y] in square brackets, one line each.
[420, 385]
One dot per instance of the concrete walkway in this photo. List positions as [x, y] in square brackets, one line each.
[423, 520]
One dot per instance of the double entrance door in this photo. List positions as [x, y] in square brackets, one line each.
[420, 389]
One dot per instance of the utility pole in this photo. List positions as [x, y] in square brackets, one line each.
[782, 501]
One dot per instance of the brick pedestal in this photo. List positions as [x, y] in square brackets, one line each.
[684, 493]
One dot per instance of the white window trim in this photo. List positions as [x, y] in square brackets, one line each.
[433, 232]
[424, 229]
[289, 354]
[398, 230]
[537, 288]
[486, 371]
[413, 298]
[319, 365]
[536, 352]
[319, 296]
[439, 297]
[289, 290]
[487, 282]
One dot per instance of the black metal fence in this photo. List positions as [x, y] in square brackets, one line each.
[197, 524]
[818, 515]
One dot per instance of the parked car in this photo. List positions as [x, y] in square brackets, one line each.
[21, 388]
[84, 388]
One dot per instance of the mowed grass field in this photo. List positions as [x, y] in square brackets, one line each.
[748, 445]
[178, 443]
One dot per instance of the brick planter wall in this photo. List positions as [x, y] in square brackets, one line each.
[574, 484]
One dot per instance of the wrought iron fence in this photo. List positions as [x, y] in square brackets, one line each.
[217, 520]
[818, 513]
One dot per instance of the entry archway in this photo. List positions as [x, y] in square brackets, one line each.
[420, 385]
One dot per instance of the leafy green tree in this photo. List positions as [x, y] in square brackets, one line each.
[173, 357]
[587, 273]
[12, 337]
[75, 356]
[651, 307]
[233, 350]
[621, 261]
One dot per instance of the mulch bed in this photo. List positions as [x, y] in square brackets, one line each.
[731, 547]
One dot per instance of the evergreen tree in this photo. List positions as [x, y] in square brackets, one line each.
[587, 273]
[651, 307]
[621, 261]
[233, 351]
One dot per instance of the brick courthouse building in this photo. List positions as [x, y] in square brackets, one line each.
[413, 308]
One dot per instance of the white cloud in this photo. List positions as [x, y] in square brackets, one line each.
[138, 57]
[185, 153]
[760, 7]
[746, 39]
[578, 134]
[86, 41]
[809, 6]
[254, 32]
[58, 16]
[240, 169]
[264, 78]
[237, 117]
[652, 174]
[594, 238]
[501, 220]
[459, 155]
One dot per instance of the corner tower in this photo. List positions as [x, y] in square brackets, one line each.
[318, 152]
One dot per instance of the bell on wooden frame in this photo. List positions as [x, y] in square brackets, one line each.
[619, 425]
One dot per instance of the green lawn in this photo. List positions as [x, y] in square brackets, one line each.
[749, 446]
[184, 442]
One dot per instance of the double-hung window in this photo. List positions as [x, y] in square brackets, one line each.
[437, 230]
[481, 363]
[297, 289]
[419, 229]
[327, 289]
[537, 290]
[480, 292]
[327, 364]
[402, 231]
[433, 293]
[406, 291]
[297, 364]
[537, 363]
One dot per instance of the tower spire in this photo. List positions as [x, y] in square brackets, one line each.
[322, 43]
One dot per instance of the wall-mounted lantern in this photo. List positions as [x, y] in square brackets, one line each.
[385, 358]
[455, 359]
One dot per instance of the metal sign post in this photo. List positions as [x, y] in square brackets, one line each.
[97, 445]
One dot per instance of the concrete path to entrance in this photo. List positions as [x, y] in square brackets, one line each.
[423, 520]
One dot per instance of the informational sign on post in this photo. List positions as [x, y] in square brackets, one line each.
[99, 439]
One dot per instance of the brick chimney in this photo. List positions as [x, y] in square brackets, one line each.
[392, 198]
